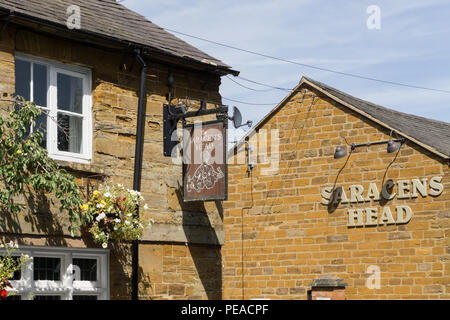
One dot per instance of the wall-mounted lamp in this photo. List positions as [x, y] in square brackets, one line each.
[249, 149]
[250, 164]
[340, 152]
[392, 146]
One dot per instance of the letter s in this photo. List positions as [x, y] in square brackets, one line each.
[436, 186]
[326, 195]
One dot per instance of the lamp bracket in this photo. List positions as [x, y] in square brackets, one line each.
[354, 146]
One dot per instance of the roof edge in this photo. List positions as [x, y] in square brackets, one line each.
[266, 117]
[219, 69]
[306, 81]
[368, 116]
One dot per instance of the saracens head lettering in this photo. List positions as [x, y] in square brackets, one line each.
[207, 140]
[402, 189]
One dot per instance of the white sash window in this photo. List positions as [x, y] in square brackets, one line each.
[62, 274]
[63, 93]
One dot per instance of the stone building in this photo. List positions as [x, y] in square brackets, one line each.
[369, 224]
[87, 54]
[297, 224]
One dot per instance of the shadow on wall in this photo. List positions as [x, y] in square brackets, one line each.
[204, 245]
[35, 219]
[120, 273]
[40, 216]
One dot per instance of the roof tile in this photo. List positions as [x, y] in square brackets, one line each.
[111, 19]
[433, 133]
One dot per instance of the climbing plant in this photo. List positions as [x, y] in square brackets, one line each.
[25, 163]
[9, 263]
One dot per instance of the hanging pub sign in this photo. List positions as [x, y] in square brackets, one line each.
[205, 174]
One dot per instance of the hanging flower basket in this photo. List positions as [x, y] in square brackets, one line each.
[112, 214]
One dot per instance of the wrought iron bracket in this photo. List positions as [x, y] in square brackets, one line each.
[171, 116]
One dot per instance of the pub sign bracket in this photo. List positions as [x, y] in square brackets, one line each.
[172, 114]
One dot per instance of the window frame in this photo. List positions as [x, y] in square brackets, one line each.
[67, 287]
[53, 68]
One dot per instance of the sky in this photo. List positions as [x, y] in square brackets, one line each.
[411, 46]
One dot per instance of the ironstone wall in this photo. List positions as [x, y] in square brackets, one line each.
[279, 237]
[180, 256]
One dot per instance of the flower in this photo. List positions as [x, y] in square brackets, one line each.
[114, 215]
[101, 216]
[3, 294]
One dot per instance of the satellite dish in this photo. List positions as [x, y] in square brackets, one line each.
[237, 118]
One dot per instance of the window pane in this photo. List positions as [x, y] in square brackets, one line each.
[88, 269]
[40, 85]
[41, 125]
[23, 78]
[47, 268]
[85, 298]
[70, 93]
[47, 298]
[70, 133]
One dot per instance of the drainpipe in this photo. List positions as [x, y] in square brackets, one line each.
[138, 168]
